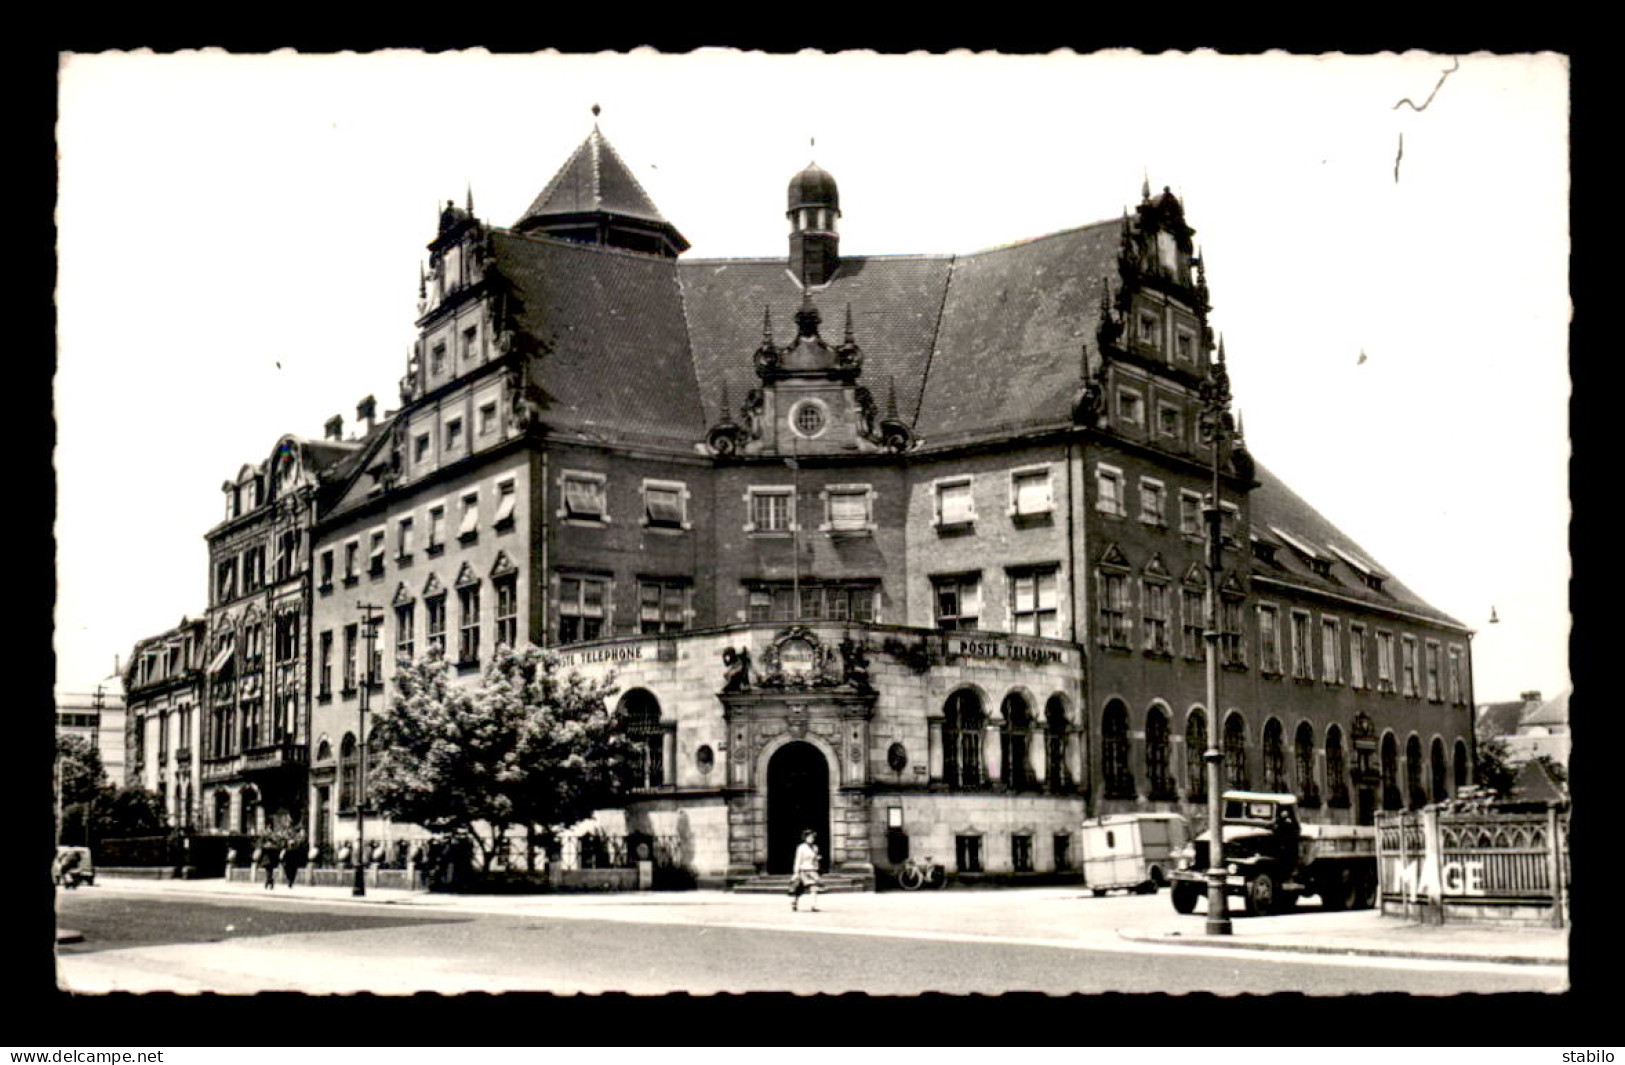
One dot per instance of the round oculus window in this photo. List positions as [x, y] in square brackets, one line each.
[808, 419]
[897, 757]
[705, 758]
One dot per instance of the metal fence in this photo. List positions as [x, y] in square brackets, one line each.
[1443, 864]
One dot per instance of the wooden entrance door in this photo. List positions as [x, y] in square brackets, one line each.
[797, 799]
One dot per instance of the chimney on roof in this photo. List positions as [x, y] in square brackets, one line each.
[334, 430]
[1532, 697]
[367, 411]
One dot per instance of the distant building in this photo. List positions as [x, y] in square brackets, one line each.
[164, 682]
[99, 717]
[1531, 727]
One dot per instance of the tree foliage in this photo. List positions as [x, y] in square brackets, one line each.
[1495, 771]
[527, 746]
[79, 768]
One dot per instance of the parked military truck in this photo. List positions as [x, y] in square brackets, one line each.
[1271, 861]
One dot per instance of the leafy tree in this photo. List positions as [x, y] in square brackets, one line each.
[121, 812]
[525, 747]
[1495, 771]
[79, 768]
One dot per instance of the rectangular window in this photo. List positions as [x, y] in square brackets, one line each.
[843, 601]
[471, 337]
[1152, 498]
[849, 509]
[324, 664]
[955, 505]
[507, 497]
[1130, 411]
[327, 569]
[1269, 639]
[661, 606]
[1034, 602]
[1169, 423]
[1229, 522]
[1302, 664]
[375, 553]
[771, 510]
[507, 610]
[437, 359]
[1021, 854]
[352, 552]
[468, 624]
[1030, 492]
[1185, 345]
[350, 648]
[1193, 605]
[287, 554]
[469, 527]
[1357, 656]
[1331, 651]
[1458, 689]
[405, 631]
[1231, 650]
[581, 608]
[487, 419]
[1408, 665]
[1190, 513]
[403, 540]
[1431, 665]
[584, 497]
[420, 449]
[1385, 661]
[1063, 852]
[959, 601]
[435, 624]
[1150, 330]
[663, 505]
[968, 854]
[226, 581]
[1109, 490]
[1114, 609]
[437, 529]
[1156, 617]
[454, 434]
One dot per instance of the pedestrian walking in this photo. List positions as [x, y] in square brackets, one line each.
[804, 875]
[268, 862]
[290, 863]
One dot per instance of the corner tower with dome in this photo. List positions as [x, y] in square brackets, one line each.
[905, 549]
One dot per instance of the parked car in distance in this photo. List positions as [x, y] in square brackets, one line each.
[73, 867]
[1135, 852]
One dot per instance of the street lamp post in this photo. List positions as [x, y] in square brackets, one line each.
[1216, 428]
[370, 616]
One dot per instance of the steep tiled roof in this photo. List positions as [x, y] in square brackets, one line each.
[594, 178]
[611, 326]
[1554, 711]
[1498, 719]
[1277, 507]
[1009, 352]
[895, 302]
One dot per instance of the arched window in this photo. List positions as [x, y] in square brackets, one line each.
[1417, 796]
[1235, 753]
[222, 810]
[1274, 757]
[1391, 799]
[349, 766]
[1464, 766]
[324, 752]
[1195, 748]
[962, 724]
[248, 819]
[1118, 779]
[643, 727]
[1055, 729]
[1337, 785]
[1016, 737]
[1303, 747]
[1441, 773]
[1159, 777]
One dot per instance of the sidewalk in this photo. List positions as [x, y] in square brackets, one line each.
[1068, 917]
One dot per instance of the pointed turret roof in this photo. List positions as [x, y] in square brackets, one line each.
[596, 183]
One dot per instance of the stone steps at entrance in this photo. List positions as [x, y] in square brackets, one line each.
[779, 884]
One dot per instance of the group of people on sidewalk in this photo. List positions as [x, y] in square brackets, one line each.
[270, 856]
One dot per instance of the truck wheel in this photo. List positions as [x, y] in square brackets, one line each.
[1261, 895]
[1184, 896]
[1099, 892]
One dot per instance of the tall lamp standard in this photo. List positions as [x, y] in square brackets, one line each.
[1217, 428]
[370, 616]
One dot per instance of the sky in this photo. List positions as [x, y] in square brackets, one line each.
[1386, 246]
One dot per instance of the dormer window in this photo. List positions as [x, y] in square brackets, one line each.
[1150, 330]
[471, 343]
[454, 434]
[437, 359]
[1130, 410]
[1185, 346]
[420, 449]
[808, 419]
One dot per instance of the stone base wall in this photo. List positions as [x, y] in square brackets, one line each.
[932, 820]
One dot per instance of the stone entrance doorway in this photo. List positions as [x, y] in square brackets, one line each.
[797, 799]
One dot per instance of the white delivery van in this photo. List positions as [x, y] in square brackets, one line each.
[1134, 852]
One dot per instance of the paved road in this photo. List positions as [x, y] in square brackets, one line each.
[143, 942]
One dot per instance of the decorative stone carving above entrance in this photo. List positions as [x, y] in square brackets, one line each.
[798, 660]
